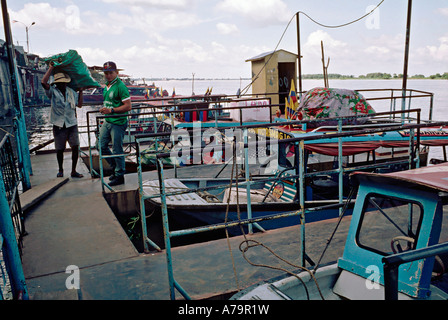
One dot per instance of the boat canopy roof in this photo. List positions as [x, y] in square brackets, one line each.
[433, 178]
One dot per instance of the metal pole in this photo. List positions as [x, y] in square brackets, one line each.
[246, 162]
[406, 56]
[141, 198]
[146, 239]
[166, 228]
[340, 166]
[392, 263]
[247, 175]
[23, 151]
[299, 55]
[301, 146]
[167, 236]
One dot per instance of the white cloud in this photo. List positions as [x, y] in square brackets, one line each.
[94, 56]
[226, 28]
[438, 52]
[42, 13]
[443, 11]
[67, 19]
[376, 50]
[162, 4]
[71, 20]
[312, 45]
[385, 54]
[262, 12]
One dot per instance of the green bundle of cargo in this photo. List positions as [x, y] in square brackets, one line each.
[72, 64]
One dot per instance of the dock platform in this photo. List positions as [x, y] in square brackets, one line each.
[74, 226]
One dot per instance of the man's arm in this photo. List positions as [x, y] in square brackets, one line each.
[126, 106]
[80, 98]
[46, 77]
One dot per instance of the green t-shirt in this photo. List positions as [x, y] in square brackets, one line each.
[114, 94]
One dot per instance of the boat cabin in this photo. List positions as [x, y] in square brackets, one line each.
[394, 212]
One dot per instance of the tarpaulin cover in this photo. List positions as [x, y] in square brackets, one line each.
[320, 103]
[72, 64]
[348, 148]
[351, 148]
[434, 143]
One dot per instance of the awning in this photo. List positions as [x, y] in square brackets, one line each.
[348, 148]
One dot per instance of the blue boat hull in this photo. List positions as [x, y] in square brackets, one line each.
[205, 215]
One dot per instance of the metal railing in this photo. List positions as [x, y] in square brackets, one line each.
[409, 94]
[163, 114]
[12, 227]
[392, 263]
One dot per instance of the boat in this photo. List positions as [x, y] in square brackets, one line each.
[328, 111]
[274, 187]
[205, 201]
[375, 147]
[397, 219]
[138, 93]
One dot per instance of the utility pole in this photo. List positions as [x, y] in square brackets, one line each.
[299, 55]
[406, 57]
[26, 30]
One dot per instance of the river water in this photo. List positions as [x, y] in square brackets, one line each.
[39, 127]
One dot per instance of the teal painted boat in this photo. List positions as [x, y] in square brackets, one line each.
[395, 248]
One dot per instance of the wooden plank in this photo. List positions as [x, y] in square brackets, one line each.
[32, 196]
[172, 185]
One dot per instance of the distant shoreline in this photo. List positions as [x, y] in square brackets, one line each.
[315, 77]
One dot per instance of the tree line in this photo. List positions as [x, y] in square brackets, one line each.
[375, 75]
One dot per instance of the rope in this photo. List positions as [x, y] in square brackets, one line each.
[344, 24]
[257, 243]
[349, 198]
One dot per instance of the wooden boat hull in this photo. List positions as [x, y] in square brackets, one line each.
[192, 209]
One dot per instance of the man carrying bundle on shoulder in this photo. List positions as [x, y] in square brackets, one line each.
[63, 116]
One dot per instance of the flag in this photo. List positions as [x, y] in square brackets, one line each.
[287, 109]
[174, 92]
[293, 103]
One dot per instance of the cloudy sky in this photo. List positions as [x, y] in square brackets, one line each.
[213, 38]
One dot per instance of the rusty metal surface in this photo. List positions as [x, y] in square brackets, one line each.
[432, 177]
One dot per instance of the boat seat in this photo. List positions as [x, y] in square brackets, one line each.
[284, 190]
[151, 187]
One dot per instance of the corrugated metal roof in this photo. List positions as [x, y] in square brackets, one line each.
[265, 54]
[432, 177]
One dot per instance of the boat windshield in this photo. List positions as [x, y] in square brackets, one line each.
[396, 221]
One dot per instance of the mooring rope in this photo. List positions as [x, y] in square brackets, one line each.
[257, 243]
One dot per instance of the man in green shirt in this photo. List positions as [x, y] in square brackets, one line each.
[117, 101]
